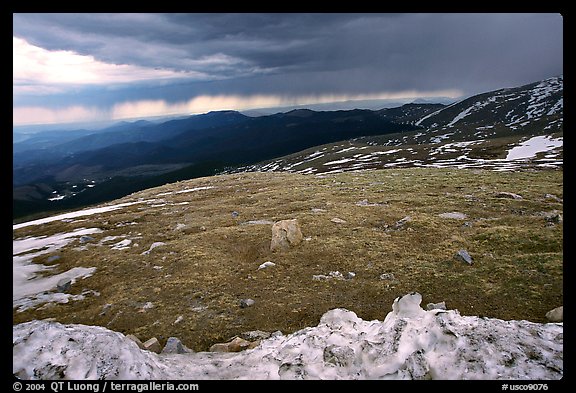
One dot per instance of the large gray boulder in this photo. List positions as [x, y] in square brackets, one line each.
[556, 315]
[285, 233]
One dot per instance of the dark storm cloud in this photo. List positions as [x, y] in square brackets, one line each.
[314, 53]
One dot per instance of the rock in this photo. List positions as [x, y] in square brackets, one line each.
[105, 309]
[387, 276]
[400, 223]
[253, 344]
[86, 239]
[350, 275]
[266, 264]
[463, 255]
[554, 218]
[258, 222]
[64, 284]
[235, 214]
[556, 315]
[318, 210]
[220, 347]
[337, 220]
[246, 303]
[136, 340]
[554, 197]
[285, 233]
[153, 246]
[453, 215]
[255, 335]
[364, 202]
[153, 345]
[509, 195]
[236, 345]
[332, 275]
[436, 306]
[174, 345]
[52, 258]
[339, 356]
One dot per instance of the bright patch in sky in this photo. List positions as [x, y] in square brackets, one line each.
[34, 65]
[200, 104]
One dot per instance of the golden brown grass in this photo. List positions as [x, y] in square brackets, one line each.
[208, 266]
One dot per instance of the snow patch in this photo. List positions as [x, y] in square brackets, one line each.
[410, 343]
[532, 146]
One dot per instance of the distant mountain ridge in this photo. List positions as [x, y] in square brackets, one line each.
[101, 165]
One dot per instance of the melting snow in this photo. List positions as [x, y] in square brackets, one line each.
[29, 286]
[529, 148]
[79, 213]
[409, 344]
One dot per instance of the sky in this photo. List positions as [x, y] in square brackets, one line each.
[99, 67]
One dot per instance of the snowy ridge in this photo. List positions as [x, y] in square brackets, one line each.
[513, 107]
[409, 344]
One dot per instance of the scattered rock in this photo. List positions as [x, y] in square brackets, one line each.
[266, 264]
[105, 309]
[285, 233]
[436, 306]
[53, 258]
[178, 320]
[86, 239]
[235, 214]
[317, 210]
[246, 303]
[335, 275]
[174, 345]
[153, 345]
[180, 227]
[236, 345]
[337, 220]
[453, 215]
[258, 222]
[463, 255]
[153, 246]
[509, 195]
[364, 202]
[255, 335]
[387, 276]
[556, 315]
[467, 224]
[146, 306]
[400, 223]
[136, 340]
[350, 275]
[554, 197]
[220, 347]
[552, 218]
[64, 284]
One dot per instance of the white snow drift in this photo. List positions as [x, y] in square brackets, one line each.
[409, 344]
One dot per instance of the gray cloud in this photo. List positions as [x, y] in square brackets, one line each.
[314, 53]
